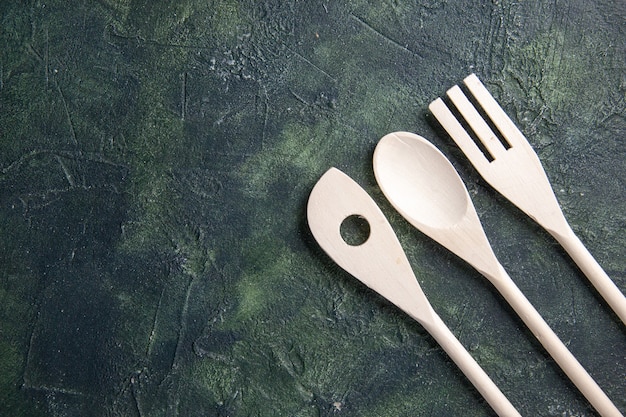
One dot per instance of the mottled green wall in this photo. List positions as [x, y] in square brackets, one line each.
[155, 161]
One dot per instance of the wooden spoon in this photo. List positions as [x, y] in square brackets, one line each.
[381, 264]
[425, 188]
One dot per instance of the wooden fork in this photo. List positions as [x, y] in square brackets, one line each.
[515, 171]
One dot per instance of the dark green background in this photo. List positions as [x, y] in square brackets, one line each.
[156, 158]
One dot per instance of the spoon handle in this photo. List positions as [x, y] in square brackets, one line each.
[490, 392]
[551, 342]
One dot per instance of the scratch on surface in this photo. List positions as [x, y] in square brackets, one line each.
[68, 174]
[460, 317]
[265, 114]
[47, 59]
[154, 323]
[67, 114]
[25, 379]
[174, 394]
[183, 97]
[382, 35]
[305, 59]
[57, 390]
[183, 317]
[300, 99]
[135, 396]
[20, 161]
[27, 383]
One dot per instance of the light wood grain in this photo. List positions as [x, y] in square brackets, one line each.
[422, 184]
[518, 175]
[381, 264]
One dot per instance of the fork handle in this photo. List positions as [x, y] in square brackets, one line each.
[555, 347]
[477, 376]
[594, 272]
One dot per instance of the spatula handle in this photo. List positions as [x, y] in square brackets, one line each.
[551, 342]
[594, 272]
[490, 392]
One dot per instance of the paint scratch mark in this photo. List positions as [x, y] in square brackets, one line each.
[302, 57]
[183, 97]
[47, 60]
[387, 38]
[266, 112]
[155, 320]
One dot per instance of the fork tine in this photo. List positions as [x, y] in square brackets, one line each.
[445, 117]
[505, 125]
[476, 122]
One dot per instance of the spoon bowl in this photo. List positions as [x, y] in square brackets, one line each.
[422, 184]
[424, 187]
[437, 197]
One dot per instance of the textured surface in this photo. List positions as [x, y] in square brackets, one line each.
[155, 161]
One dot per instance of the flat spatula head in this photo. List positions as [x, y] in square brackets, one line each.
[379, 262]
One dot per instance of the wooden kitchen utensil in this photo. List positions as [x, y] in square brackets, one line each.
[381, 264]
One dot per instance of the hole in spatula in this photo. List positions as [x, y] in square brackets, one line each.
[355, 230]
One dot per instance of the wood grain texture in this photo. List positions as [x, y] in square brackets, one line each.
[411, 172]
[518, 175]
[381, 264]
